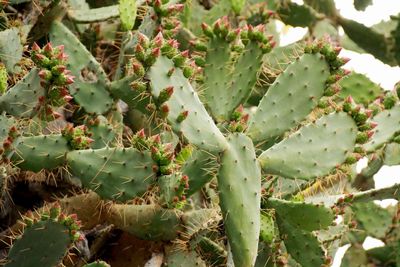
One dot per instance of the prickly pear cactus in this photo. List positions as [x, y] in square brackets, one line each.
[180, 133]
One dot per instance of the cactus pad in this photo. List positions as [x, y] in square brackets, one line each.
[113, 173]
[239, 182]
[198, 127]
[314, 150]
[293, 95]
[40, 152]
[90, 87]
[388, 124]
[148, 222]
[21, 99]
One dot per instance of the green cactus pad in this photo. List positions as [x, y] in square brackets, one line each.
[168, 184]
[113, 173]
[90, 87]
[302, 245]
[368, 39]
[121, 89]
[267, 232]
[372, 218]
[127, 13]
[211, 250]
[388, 124]
[297, 15]
[201, 167]
[43, 244]
[239, 182]
[314, 150]
[306, 216]
[296, 220]
[102, 134]
[10, 48]
[216, 72]
[362, 89]
[21, 99]
[5, 125]
[391, 154]
[176, 257]
[293, 95]
[35, 153]
[94, 14]
[225, 89]
[198, 127]
[149, 222]
[196, 220]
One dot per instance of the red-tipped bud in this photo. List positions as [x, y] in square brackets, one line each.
[67, 98]
[156, 52]
[245, 118]
[159, 40]
[165, 94]
[35, 47]
[48, 48]
[373, 124]
[346, 72]
[370, 134]
[62, 56]
[337, 50]
[60, 48]
[349, 99]
[157, 3]
[59, 69]
[141, 134]
[185, 53]
[182, 116]
[69, 79]
[156, 139]
[45, 74]
[164, 108]
[207, 30]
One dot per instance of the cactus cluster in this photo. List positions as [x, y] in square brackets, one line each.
[134, 135]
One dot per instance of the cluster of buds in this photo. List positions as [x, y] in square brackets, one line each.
[166, 16]
[386, 101]
[147, 52]
[239, 120]
[54, 213]
[8, 142]
[339, 208]
[331, 54]
[361, 116]
[78, 137]
[55, 78]
[180, 191]
[240, 36]
[163, 155]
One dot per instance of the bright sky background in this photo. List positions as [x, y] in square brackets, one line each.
[378, 72]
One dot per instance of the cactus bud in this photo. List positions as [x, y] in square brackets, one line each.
[165, 94]
[207, 30]
[182, 116]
